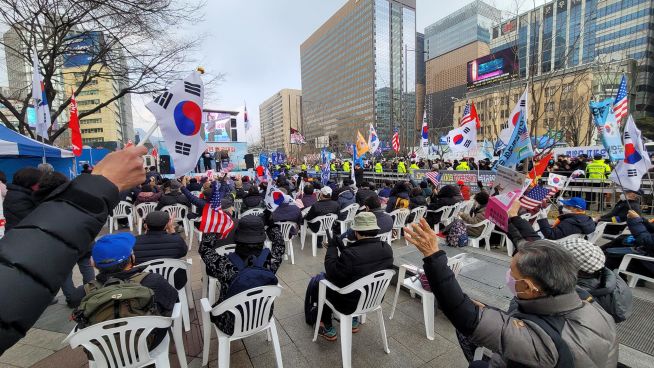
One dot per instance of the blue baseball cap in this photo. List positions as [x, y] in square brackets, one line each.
[575, 202]
[112, 249]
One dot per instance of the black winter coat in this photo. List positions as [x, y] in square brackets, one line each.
[448, 195]
[252, 201]
[619, 211]
[363, 194]
[17, 205]
[171, 199]
[611, 292]
[37, 255]
[157, 245]
[568, 224]
[357, 260]
[321, 208]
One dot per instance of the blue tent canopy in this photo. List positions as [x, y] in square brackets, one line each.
[16, 144]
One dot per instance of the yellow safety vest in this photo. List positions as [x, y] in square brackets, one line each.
[317, 168]
[463, 166]
[332, 167]
[378, 168]
[303, 167]
[413, 168]
[401, 168]
[346, 166]
[597, 170]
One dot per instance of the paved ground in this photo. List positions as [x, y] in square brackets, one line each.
[482, 278]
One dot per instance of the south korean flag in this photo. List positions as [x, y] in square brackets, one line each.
[178, 112]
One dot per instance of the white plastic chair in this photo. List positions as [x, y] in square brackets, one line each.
[418, 213]
[485, 234]
[505, 241]
[178, 212]
[285, 228]
[467, 206]
[122, 343]
[252, 311]
[167, 268]
[303, 228]
[445, 211]
[386, 237]
[253, 212]
[349, 211]
[326, 223]
[238, 203]
[122, 210]
[599, 231]
[427, 297]
[633, 277]
[193, 230]
[399, 221]
[372, 288]
[141, 211]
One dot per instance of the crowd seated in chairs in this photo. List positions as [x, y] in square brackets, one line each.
[573, 220]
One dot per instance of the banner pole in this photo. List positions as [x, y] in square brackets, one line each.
[148, 134]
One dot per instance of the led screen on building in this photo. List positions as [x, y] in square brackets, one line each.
[493, 68]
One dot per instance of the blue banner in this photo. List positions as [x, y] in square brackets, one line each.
[519, 146]
[263, 159]
[324, 177]
[608, 128]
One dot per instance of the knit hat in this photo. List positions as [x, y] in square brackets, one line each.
[589, 256]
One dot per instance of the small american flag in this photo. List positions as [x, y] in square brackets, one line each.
[434, 177]
[470, 114]
[535, 197]
[621, 104]
[396, 140]
[214, 220]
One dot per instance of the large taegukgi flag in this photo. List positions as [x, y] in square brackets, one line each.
[629, 171]
[178, 112]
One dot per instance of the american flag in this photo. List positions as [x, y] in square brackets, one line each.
[470, 114]
[396, 140]
[621, 104]
[535, 197]
[434, 177]
[214, 220]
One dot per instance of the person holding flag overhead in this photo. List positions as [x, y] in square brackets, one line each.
[178, 113]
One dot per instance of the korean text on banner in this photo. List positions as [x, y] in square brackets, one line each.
[509, 180]
[607, 127]
[498, 212]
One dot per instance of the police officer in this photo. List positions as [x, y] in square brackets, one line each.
[346, 166]
[378, 168]
[401, 167]
[462, 166]
[332, 167]
[598, 169]
[303, 167]
[413, 167]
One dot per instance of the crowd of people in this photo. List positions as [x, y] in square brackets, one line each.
[564, 314]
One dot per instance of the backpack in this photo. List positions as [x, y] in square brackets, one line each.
[311, 299]
[457, 234]
[113, 299]
[251, 274]
[402, 203]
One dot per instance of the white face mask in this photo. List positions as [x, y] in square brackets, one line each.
[566, 210]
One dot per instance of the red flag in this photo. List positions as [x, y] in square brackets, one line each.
[73, 124]
[129, 143]
[540, 167]
[155, 153]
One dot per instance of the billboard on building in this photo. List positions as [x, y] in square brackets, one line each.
[82, 48]
[496, 67]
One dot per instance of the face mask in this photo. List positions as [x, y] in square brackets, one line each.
[510, 282]
[623, 197]
[566, 210]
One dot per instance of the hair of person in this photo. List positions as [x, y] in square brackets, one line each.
[423, 184]
[253, 190]
[115, 268]
[560, 275]
[416, 192]
[365, 184]
[153, 168]
[48, 183]
[308, 189]
[27, 177]
[388, 183]
[372, 202]
[368, 233]
[146, 188]
[156, 228]
[3, 177]
[347, 181]
[193, 180]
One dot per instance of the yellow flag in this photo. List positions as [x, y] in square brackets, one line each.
[362, 145]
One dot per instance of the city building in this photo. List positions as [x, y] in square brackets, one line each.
[450, 43]
[420, 77]
[278, 115]
[366, 43]
[565, 34]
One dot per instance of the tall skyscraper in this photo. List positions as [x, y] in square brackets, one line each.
[277, 115]
[359, 68]
[450, 43]
[567, 34]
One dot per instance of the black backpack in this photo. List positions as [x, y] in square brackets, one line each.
[311, 299]
[251, 273]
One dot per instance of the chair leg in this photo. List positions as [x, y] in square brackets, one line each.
[400, 280]
[185, 314]
[206, 337]
[130, 221]
[179, 344]
[382, 327]
[188, 291]
[346, 340]
[428, 312]
[322, 292]
[275, 340]
[290, 250]
[314, 244]
[303, 235]
[139, 223]
[223, 352]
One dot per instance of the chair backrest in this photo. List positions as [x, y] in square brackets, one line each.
[350, 211]
[253, 212]
[597, 234]
[120, 343]
[468, 205]
[386, 237]
[419, 212]
[252, 309]
[237, 205]
[226, 249]
[285, 228]
[304, 211]
[372, 288]
[177, 211]
[488, 229]
[142, 209]
[446, 211]
[123, 208]
[399, 216]
[456, 263]
[326, 223]
[165, 267]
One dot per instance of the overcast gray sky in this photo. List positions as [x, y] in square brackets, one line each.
[256, 43]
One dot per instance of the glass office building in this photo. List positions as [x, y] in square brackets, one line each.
[566, 34]
[359, 68]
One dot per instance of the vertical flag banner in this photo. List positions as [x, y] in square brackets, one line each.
[396, 140]
[518, 147]
[608, 129]
[463, 139]
[362, 146]
[470, 114]
[621, 103]
[373, 140]
[636, 163]
[424, 142]
[488, 149]
[40, 99]
[178, 112]
[520, 107]
[73, 125]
